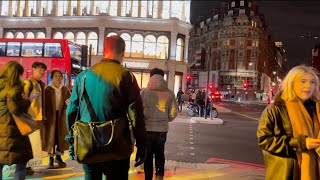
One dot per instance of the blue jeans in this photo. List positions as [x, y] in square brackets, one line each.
[114, 170]
[156, 142]
[19, 174]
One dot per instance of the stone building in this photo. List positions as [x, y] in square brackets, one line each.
[235, 47]
[156, 32]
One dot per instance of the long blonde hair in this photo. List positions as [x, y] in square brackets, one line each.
[288, 93]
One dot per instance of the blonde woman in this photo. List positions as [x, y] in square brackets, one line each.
[288, 132]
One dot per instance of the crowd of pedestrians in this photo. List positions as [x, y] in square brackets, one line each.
[288, 133]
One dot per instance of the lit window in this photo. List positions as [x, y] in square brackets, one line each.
[42, 35]
[111, 34]
[162, 47]
[135, 8]
[81, 38]
[85, 7]
[58, 35]
[127, 39]
[137, 46]
[149, 47]
[101, 7]
[241, 3]
[9, 35]
[145, 79]
[19, 35]
[242, 11]
[62, 8]
[155, 8]
[113, 8]
[49, 7]
[93, 39]
[166, 9]
[233, 4]
[126, 7]
[5, 8]
[249, 4]
[69, 36]
[179, 52]
[177, 9]
[29, 35]
[74, 8]
[144, 5]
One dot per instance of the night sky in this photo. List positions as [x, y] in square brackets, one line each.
[287, 21]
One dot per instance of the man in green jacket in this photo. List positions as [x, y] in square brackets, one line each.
[114, 93]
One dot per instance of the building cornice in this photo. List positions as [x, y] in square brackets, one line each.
[147, 24]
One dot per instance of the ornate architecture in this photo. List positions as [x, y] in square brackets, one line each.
[156, 32]
[235, 47]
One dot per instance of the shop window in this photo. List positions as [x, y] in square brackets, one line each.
[14, 8]
[101, 7]
[42, 35]
[127, 38]
[137, 46]
[144, 5]
[58, 35]
[145, 79]
[69, 36]
[149, 47]
[93, 39]
[74, 8]
[176, 7]
[29, 35]
[137, 75]
[9, 35]
[162, 47]
[85, 7]
[179, 51]
[155, 8]
[81, 38]
[19, 35]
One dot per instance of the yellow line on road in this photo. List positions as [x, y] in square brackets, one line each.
[246, 116]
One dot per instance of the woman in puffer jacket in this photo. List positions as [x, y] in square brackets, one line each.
[14, 147]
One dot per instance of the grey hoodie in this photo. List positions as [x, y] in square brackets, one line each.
[159, 105]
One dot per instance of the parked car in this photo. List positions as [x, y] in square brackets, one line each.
[216, 96]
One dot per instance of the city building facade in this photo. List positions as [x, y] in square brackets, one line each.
[235, 47]
[156, 32]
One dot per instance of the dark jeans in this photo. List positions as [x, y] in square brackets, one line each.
[114, 170]
[156, 142]
[19, 174]
[180, 103]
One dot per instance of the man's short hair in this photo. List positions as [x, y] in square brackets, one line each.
[115, 44]
[39, 65]
[156, 71]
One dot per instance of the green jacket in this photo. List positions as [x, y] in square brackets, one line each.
[114, 93]
[279, 147]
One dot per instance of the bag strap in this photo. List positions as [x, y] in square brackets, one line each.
[84, 94]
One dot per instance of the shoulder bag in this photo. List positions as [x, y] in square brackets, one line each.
[96, 141]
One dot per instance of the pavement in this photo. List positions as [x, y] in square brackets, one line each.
[212, 169]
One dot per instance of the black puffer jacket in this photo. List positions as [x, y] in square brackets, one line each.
[14, 148]
[275, 137]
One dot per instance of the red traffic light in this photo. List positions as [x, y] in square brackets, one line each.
[245, 84]
[188, 77]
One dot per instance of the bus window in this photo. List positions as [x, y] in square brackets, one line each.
[13, 49]
[31, 49]
[52, 50]
[75, 52]
[2, 48]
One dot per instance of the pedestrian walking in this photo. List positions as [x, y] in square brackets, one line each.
[14, 147]
[289, 129]
[34, 87]
[114, 94]
[180, 102]
[55, 130]
[160, 108]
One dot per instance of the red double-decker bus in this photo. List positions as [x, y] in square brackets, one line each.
[58, 54]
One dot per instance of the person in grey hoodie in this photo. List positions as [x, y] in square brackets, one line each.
[160, 108]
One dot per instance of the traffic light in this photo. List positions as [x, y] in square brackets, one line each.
[188, 77]
[210, 86]
[245, 84]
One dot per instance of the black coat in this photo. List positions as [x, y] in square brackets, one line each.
[14, 148]
[275, 137]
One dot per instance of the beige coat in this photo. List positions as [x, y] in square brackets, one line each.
[48, 137]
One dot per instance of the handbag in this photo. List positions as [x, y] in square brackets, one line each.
[96, 142]
[25, 123]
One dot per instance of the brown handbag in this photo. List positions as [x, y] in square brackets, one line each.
[25, 123]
